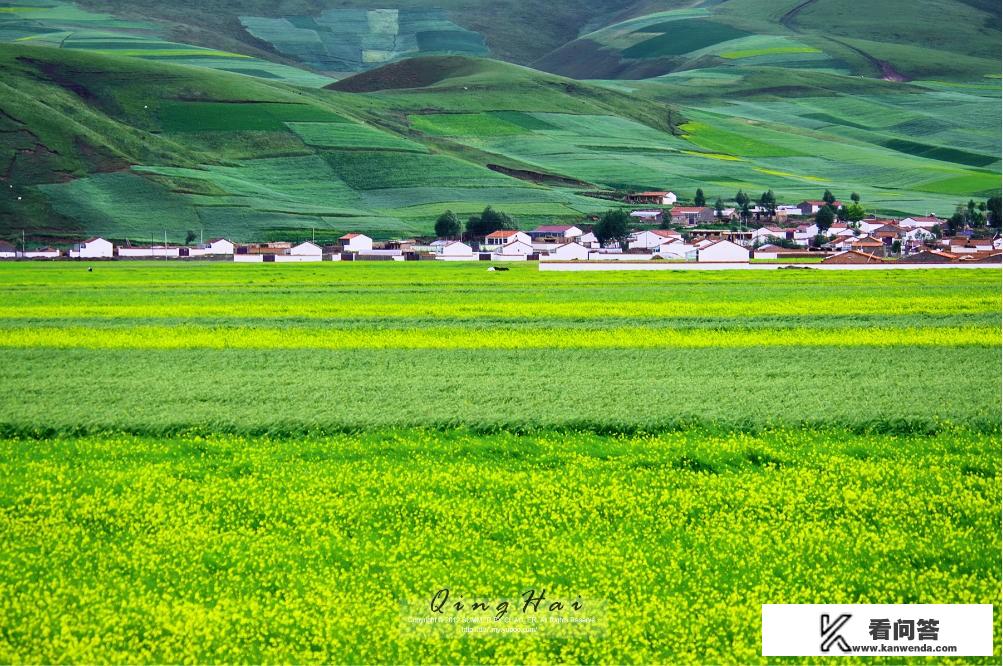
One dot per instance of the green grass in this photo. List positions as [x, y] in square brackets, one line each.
[229, 116]
[682, 36]
[465, 124]
[583, 340]
[377, 170]
[306, 549]
[295, 458]
[351, 135]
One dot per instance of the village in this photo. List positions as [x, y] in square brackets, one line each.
[700, 234]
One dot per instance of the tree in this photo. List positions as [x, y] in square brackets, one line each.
[699, 199]
[190, 237]
[824, 218]
[976, 215]
[896, 246]
[829, 198]
[719, 208]
[768, 201]
[853, 213]
[819, 240]
[855, 198]
[746, 211]
[956, 222]
[447, 225]
[612, 226]
[742, 198]
[993, 214]
[489, 221]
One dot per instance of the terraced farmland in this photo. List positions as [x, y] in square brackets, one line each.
[259, 450]
[65, 25]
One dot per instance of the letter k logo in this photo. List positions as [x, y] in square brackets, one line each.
[830, 632]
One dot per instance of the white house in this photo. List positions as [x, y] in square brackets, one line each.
[218, 246]
[516, 247]
[867, 226]
[653, 238]
[589, 240]
[7, 251]
[764, 234]
[356, 242]
[570, 252]
[767, 252]
[918, 235]
[805, 233]
[970, 246]
[556, 231]
[93, 248]
[656, 198]
[648, 216]
[677, 250]
[723, 251]
[498, 239]
[306, 249]
[927, 222]
[452, 251]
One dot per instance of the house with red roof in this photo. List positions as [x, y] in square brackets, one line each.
[812, 206]
[502, 237]
[656, 198]
[356, 243]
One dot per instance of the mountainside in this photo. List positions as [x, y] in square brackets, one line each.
[516, 30]
[112, 124]
[892, 39]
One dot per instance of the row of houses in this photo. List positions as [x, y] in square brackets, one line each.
[874, 237]
[696, 215]
[99, 248]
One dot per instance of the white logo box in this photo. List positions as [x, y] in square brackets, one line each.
[824, 630]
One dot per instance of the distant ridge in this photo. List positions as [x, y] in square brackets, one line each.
[420, 72]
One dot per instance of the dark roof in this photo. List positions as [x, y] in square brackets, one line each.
[552, 228]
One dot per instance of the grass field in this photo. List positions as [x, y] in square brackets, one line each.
[214, 462]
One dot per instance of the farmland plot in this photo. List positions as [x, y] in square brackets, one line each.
[257, 450]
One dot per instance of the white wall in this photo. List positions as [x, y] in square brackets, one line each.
[297, 258]
[723, 251]
[359, 243]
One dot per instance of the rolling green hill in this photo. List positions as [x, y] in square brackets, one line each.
[105, 117]
[893, 39]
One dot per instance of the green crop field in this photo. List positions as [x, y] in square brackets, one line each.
[212, 462]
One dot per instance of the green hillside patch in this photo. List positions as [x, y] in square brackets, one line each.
[941, 153]
[364, 170]
[235, 116]
[681, 37]
[971, 184]
[719, 140]
[351, 135]
[465, 124]
[121, 205]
